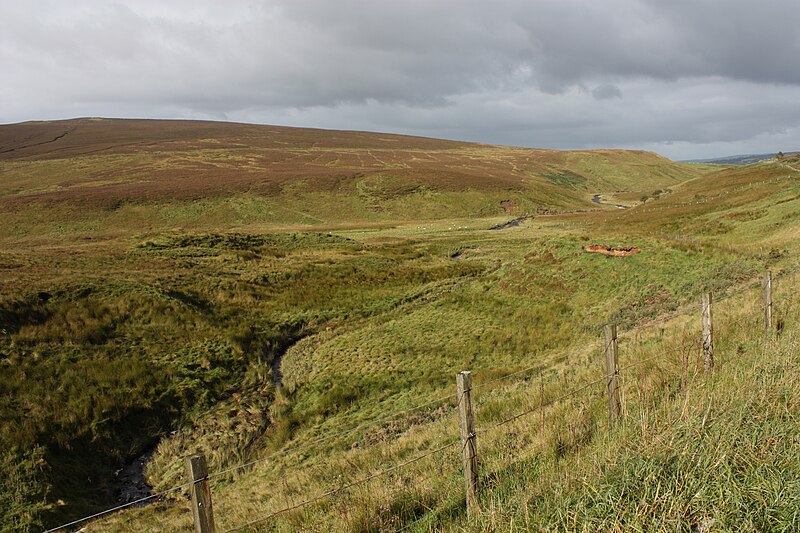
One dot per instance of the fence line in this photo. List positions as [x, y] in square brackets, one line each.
[119, 507]
[466, 437]
[437, 450]
[329, 437]
[342, 488]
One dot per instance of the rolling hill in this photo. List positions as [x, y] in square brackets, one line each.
[161, 173]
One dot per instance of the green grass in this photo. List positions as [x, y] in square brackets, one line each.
[568, 180]
[698, 451]
[133, 319]
[386, 322]
[691, 449]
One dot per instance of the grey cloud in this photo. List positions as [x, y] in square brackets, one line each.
[512, 71]
[606, 91]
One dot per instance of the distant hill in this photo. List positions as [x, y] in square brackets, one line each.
[748, 202]
[284, 175]
[743, 159]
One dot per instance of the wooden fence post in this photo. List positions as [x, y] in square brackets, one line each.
[541, 398]
[708, 333]
[466, 423]
[612, 374]
[766, 282]
[197, 471]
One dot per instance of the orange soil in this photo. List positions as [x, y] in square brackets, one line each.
[612, 252]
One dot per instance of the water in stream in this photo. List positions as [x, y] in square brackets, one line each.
[131, 481]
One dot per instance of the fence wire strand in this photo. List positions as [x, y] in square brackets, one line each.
[119, 507]
[565, 395]
[531, 368]
[341, 489]
[541, 406]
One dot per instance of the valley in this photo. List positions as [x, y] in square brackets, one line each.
[245, 290]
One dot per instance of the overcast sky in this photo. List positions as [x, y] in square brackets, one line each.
[685, 78]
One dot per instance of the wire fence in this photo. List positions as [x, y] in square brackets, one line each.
[342, 488]
[120, 507]
[612, 372]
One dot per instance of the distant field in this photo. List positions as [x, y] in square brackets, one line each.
[155, 275]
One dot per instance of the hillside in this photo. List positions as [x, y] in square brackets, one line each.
[174, 287]
[160, 174]
[743, 159]
[752, 207]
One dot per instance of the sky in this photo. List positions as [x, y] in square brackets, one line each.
[685, 78]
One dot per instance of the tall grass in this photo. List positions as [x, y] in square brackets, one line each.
[108, 347]
[692, 451]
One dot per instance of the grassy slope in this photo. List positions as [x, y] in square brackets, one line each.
[689, 453]
[103, 176]
[108, 326]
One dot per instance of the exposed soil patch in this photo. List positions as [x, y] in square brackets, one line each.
[612, 252]
[509, 206]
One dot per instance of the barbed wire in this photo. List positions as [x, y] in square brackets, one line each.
[541, 406]
[535, 367]
[643, 361]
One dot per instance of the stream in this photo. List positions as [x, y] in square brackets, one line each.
[292, 338]
[131, 482]
[277, 377]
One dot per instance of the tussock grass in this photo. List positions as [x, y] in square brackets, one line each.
[688, 453]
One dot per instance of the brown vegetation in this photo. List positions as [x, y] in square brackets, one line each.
[107, 163]
[612, 252]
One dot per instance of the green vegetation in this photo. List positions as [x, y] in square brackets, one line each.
[568, 180]
[148, 295]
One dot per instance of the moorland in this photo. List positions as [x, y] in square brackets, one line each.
[170, 287]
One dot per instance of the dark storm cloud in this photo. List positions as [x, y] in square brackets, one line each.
[669, 75]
